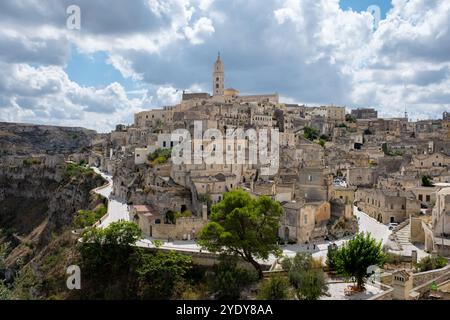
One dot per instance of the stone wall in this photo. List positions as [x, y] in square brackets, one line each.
[184, 228]
[417, 232]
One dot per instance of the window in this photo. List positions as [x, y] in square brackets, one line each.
[428, 198]
[310, 178]
[420, 197]
[306, 219]
[164, 144]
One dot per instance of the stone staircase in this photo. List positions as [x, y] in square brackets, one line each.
[402, 234]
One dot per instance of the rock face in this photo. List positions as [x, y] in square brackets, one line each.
[24, 139]
[39, 200]
[39, 191]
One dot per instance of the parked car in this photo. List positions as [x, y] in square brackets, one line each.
[392, 225]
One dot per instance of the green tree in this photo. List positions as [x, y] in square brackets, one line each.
[276, 288]
[244, 226]
[357, 255]
[427, 181]
[109, 250]
[306, 277]
[309, 284]
[159, 273]
[310, 133]
[331, 257]
[229, 280]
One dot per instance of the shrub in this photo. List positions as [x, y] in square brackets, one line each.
[306, 276]
[431, 263]
[276, 288]
[427, 181]
[229, 280]
[310, 284]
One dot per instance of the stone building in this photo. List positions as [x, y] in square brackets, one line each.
[365, 113]
[304, 222]
[387, 206]
[360, 176]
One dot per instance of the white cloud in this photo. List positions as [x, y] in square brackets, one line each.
[203, 27]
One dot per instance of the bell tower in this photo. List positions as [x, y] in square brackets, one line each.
[218, 77]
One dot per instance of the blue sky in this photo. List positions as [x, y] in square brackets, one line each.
[142, 55]
[362, 5]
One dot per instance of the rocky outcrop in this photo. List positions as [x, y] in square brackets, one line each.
[25, 139]
[39, 197]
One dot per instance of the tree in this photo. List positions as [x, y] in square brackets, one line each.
[310, 284]
[159, 273]
[229, 280]
[109, 249]
[332, 257]
[427, 181]
[310, 133]
[306, 276]
[357, 255]
[276, 288]
[244, 226]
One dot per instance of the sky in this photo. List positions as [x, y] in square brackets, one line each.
[141, 54]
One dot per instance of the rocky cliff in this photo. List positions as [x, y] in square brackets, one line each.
[25, 139]
[40, 193]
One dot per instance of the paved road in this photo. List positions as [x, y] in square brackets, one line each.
[117, 210]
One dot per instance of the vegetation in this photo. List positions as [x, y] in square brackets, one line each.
[87, 218]
[160, 156]
[311, 133]
[427, 181]
[331, 261]
[431, 263]
[306, 276]
[172, 217]
[357, 255]
[31, 161]
[74, 170]
[276, 288]
[119, 270]
[322, 143]
[228, 279]
[243, 226]
[350, 119]
[159, 273]
[387, 151]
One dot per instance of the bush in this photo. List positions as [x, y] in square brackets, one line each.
[427, 181]
[431, 263]
[310, 284]
[310, 133]
[31, 162]
[229, 280]
[306, 276]
[87, 218]
[276, 288]
[160, 156]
